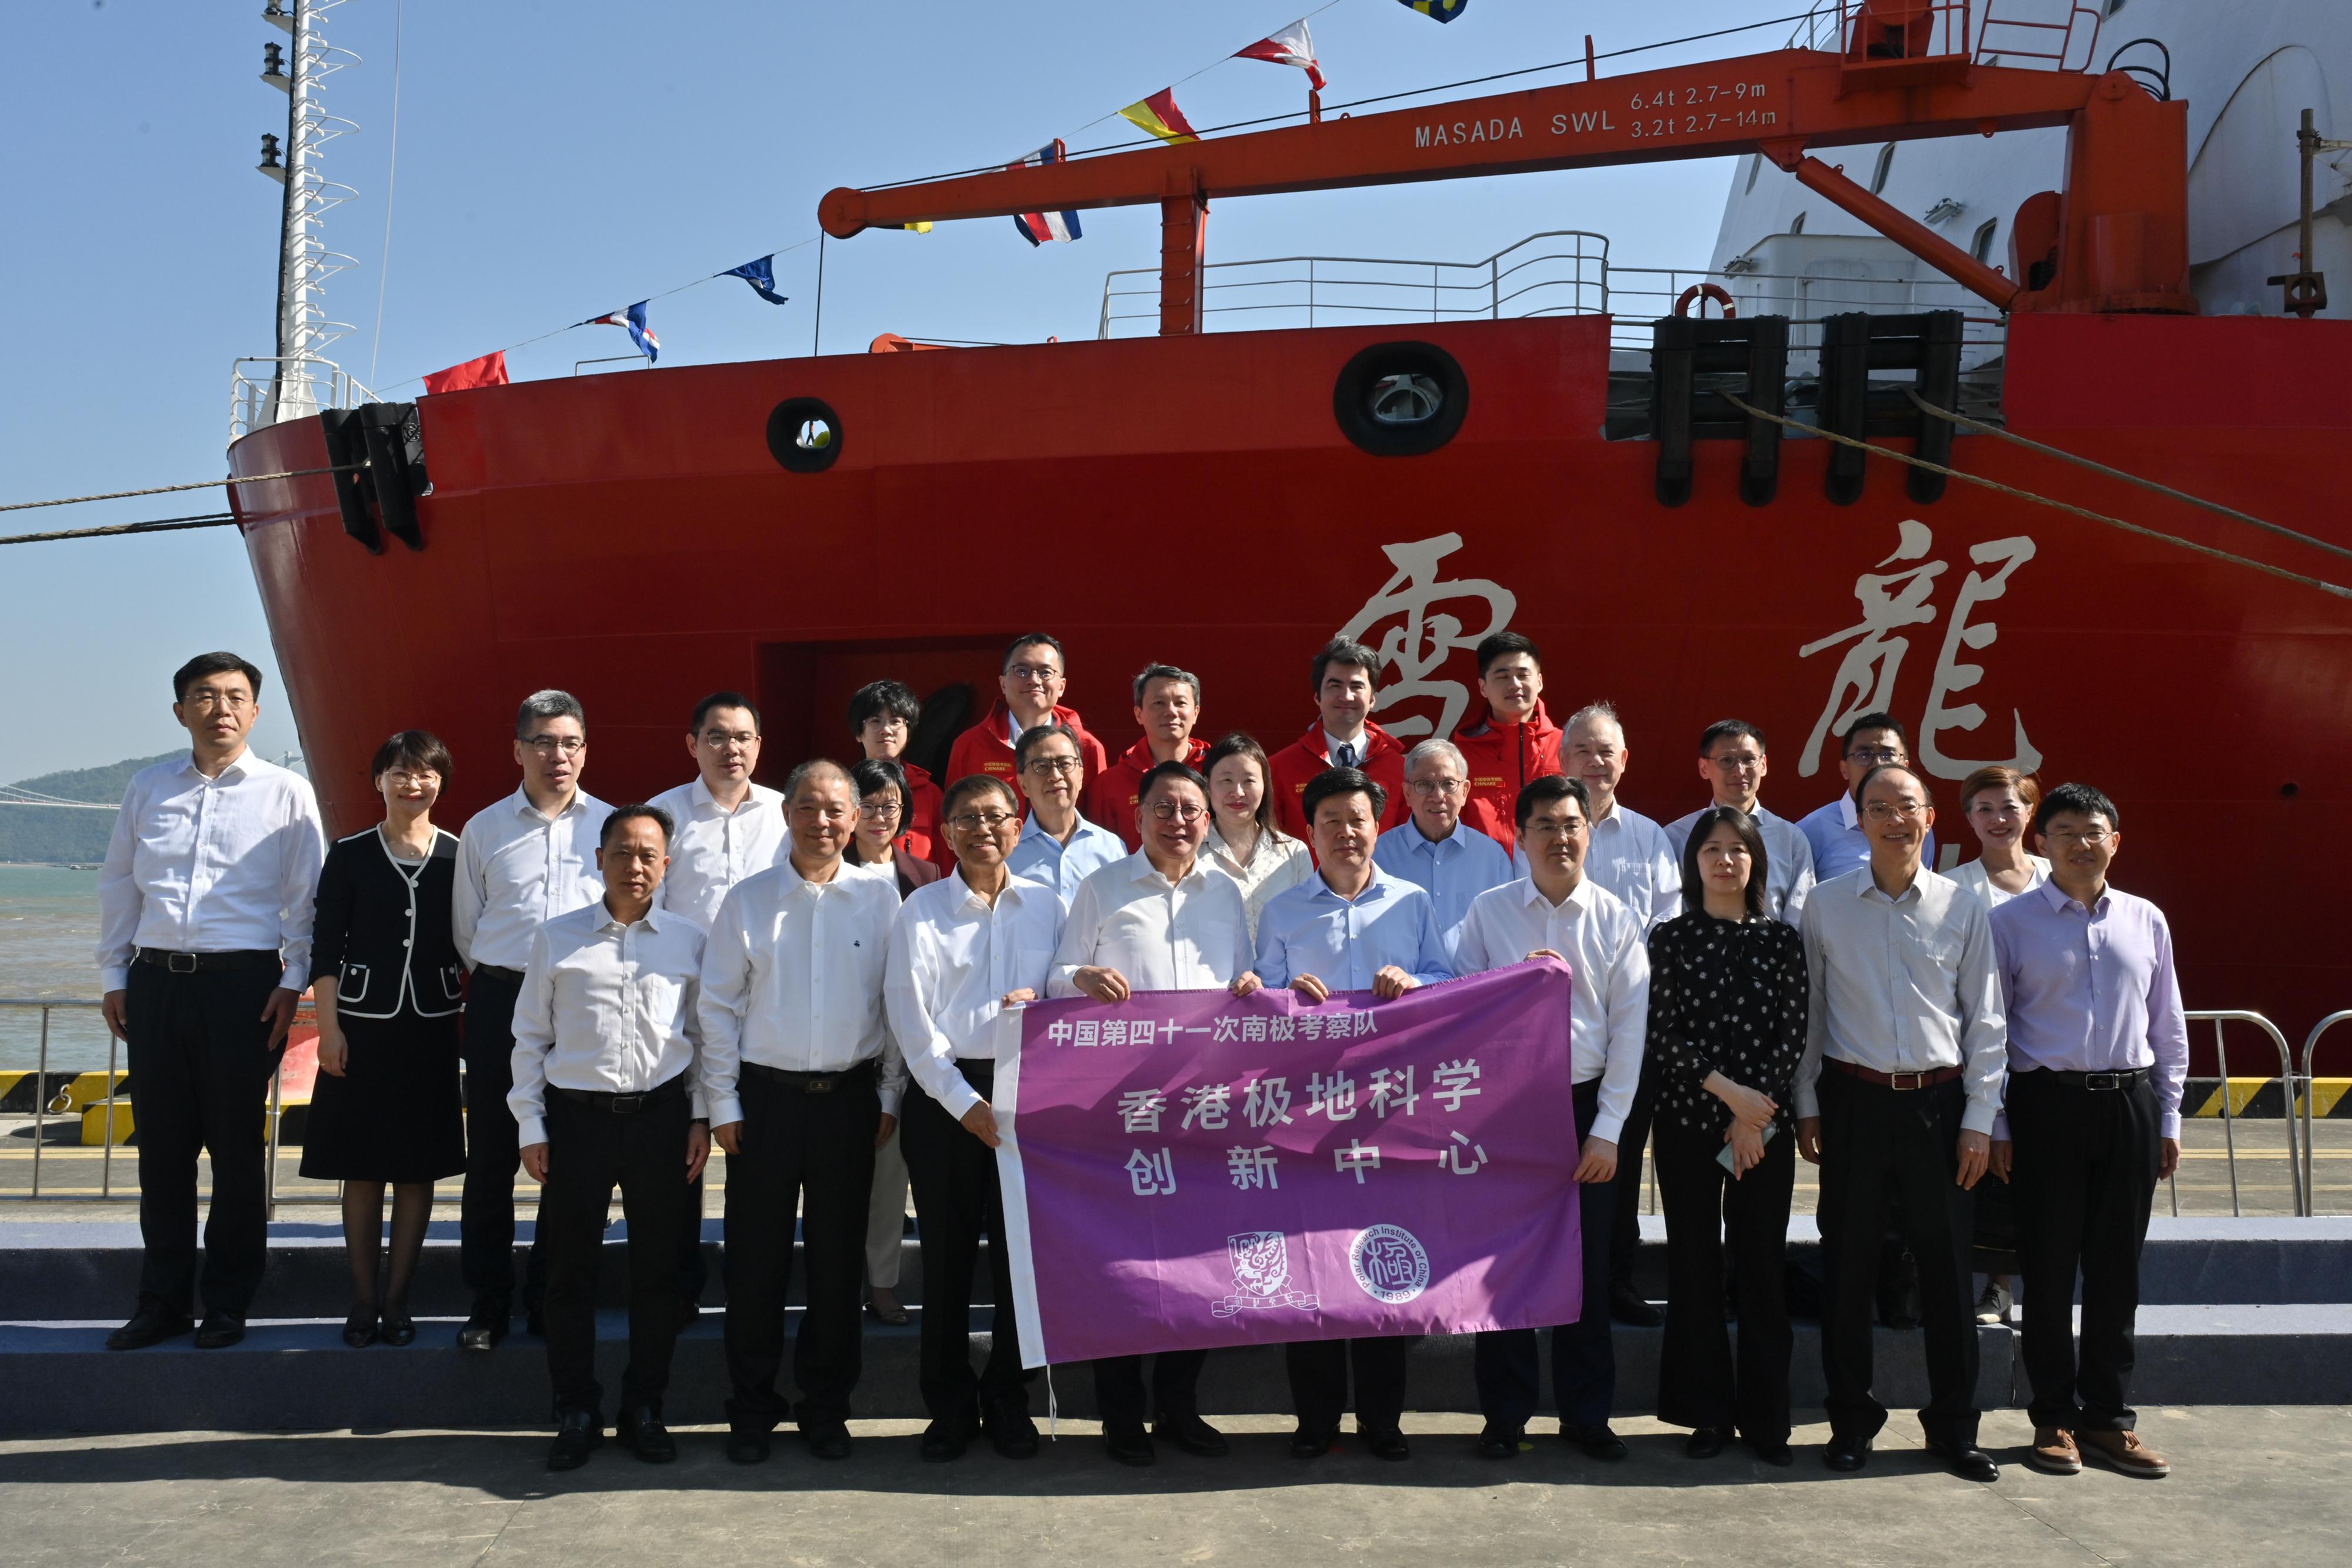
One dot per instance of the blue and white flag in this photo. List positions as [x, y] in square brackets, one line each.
[762, 276]
[634, 319]
[1040, 228]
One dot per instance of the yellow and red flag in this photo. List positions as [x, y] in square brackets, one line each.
[1159, 115]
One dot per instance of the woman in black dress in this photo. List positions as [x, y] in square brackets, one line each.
[1727, 1030]
[389, 993]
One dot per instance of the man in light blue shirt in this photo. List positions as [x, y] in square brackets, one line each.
[1350, 927]
[1834, 832]
[1435, 850]
[1058, 847]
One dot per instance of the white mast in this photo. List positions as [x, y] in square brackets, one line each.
[304, 262]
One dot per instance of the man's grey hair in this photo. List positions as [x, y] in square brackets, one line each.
[814, 768]
[1595, 713]
[542, 706]
[1166, 673]
[1429, 748]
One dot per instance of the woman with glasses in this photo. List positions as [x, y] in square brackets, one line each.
[389, 993]
[1727, 1008]
[1243, 843]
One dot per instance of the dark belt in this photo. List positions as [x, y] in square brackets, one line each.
[2126, 1078]
[625, 1104]
[1903, 1081]
[499, 971]
[203, 963]
[850, 1077]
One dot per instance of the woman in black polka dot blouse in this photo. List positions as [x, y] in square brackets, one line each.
[1727, 1029]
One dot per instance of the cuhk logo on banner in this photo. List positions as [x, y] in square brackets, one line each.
[1389, 1263]
[1261, 1260]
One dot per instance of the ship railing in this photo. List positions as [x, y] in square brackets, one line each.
[1555, 272]
[266, 389]
[2044, 35]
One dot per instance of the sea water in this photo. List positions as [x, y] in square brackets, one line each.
[48, 940]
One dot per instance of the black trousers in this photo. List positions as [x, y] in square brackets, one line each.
[1583, 1361]
[693, 1268]
[809, 1155]
[2085, 1170]
[1120, 1397]
[486, 1221]
[1892, 1155]
[1625, 1234]
[1318, 1381]
[590, 1150]
[958, 1201]
[1699, 1384]
[200, 1065]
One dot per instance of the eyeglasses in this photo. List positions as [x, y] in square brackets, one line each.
[722, 737]
[218, 699]
[1437, 786]
[420, 776]
[1554, 830]
[1733, 763]
[880, 811]
[979, 821]
[2067, 838]
[548, 744]
[1038, 675]
[1876, 754]
[1880, 811]
[1043, 766]
[1170, 812]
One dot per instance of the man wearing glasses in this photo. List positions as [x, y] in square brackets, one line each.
[1435, 850]
[204, 945]
[1057, 847]
[1731, 760]
[1901, 1082]
[520, 862]
[1158, 920]
[1167, 706]
[1834, 832]
[2098, 1049]
[1032, 682]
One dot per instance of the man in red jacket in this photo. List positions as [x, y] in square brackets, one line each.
[1167, 706]
[1033, 681]
[1343, 736]
[882, 714]
[1510, 739]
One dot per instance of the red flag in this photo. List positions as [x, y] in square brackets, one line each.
[489, 370]
[1293, 45]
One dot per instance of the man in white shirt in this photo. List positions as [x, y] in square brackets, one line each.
[726, 828]
[1631, 857]
[1834, 832]
[1559, 912]
[1731, 760]
[606, 1048]
[1434, 848]
[1159, 920]
[965, 952]
[521, 862]
[803, 1082]
[204, 945]
[1906, 1053]
[1057, 847]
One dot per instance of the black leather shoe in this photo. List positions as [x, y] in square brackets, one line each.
[1190, 1433]
[153, 1323]
[1704, 1443]
[1312, 1442]
[826, 1439]
[359, 1331]
[1501, 1442]
[945, 1441]
[1772, 1451]
[1846, 1455]
[399, 1331]
[1971, 1464]
[640, 1430]
[1013, 1435]
[487, 1325]
[1129, 1443]
[688, 1315]
[1630, 1307]
[1390, 1445]
[1597, 1442]
[219, 1330]
[582, 1433]
[748, 1448]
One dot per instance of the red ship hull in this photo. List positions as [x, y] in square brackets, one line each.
[630, 537]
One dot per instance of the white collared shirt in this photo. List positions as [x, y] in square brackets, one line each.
[518, 870]
[1789, 861]
[712, 848]
[1904, 985]
[227, 865]
[1277, 864]
[1973, 878]
[605, 1006]
[1192, 935]
[1609, 977]
[793, 979]
[953, 960]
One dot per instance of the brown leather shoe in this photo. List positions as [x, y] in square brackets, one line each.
[2125, 1454]
[2053, 1452]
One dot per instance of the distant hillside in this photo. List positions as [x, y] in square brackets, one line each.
[62, 836]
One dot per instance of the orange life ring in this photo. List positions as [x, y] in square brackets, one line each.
[1714, 291]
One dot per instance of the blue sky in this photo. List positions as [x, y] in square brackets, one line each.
[561, 157]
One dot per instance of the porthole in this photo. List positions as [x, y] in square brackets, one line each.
[804, 434]
[1401, 400]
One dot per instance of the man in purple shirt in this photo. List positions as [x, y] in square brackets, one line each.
[2097, 1053]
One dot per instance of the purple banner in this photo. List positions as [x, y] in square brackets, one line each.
[1186, 1169]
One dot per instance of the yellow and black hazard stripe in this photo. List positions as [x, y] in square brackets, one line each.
[2261, 1097]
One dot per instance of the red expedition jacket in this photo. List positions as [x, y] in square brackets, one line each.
[1116, 792]
[1296, 764]
[984, 748]
[1502, 759]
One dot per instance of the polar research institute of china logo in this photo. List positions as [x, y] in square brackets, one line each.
[1261, 1260]
[1389, 1263]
